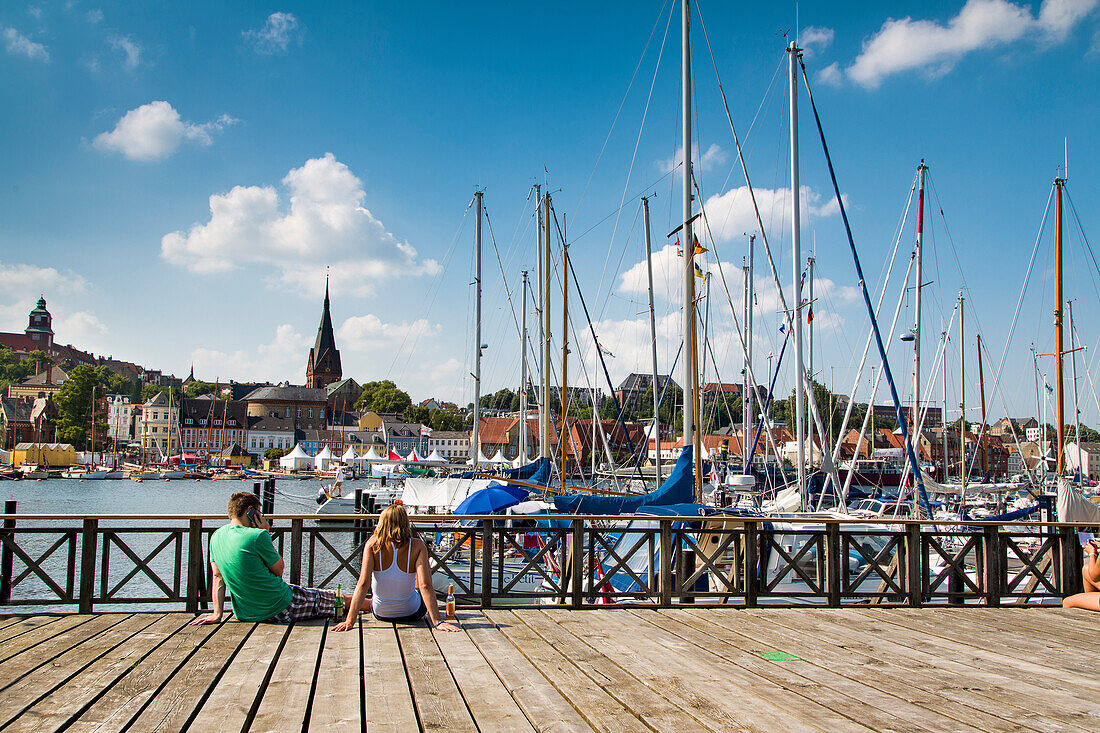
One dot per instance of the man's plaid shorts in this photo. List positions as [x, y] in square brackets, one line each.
[306, 603]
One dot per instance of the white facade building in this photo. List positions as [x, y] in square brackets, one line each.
[1086, 456]
[158, 432]
[452, 445]
[119, 418]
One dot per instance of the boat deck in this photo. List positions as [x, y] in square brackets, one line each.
[549, 669]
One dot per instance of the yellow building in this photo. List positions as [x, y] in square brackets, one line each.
[53, 455]
[44, 384]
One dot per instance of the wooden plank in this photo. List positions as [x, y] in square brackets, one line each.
[24, 625]
[388, 699]
[885, 667]
[60, 641]
[182, 694]
[129, 695]
[731, 694]
[6, 621]
[39, 631]
[655, 711]
[602, 711]
[84, 688]
[959, 668]
[285, 700]
[30, 687]
[900, 691]
[339, 685]
[228, 706]
[852, 704]
[439, 703]
[540, 701]
[488, 699]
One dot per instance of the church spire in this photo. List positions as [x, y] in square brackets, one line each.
[323, 367]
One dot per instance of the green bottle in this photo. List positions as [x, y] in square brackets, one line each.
[338, 604]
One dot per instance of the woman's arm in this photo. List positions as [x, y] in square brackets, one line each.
[362, 588]
[427, 590]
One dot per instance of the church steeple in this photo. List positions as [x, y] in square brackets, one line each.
[323, 367]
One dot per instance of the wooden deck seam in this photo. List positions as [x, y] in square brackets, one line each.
[451, 672]
[408, 680]
[47, 659]
[316, 670]
[213, 682]
[262, 687]
[45, 638]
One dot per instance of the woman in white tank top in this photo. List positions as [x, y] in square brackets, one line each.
[395, 564]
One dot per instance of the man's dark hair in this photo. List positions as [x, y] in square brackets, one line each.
[241, 502]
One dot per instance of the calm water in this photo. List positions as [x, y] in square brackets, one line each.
[145, 537]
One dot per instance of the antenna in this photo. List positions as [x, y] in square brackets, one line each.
[1065, 152]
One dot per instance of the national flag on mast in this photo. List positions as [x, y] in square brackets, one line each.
[699, 271]
[810, 314]
[699, 249]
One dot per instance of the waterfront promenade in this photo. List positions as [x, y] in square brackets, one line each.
[554, 669]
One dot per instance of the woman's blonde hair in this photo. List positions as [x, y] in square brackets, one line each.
[393, 528]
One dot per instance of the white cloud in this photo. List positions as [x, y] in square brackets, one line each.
[16, 44]
[731, 214]
[35, 12]
[714, 156]
[127, 49]
[276, 35]
[906, 44]
[283, 357]
[831, 75]
[369, 332]
[94, 16]
[79, 326]
[154, 131]
[22, 284]
[814, 39]
[323, 224]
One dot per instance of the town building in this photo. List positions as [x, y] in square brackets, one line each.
[323, 365]
[45, 383]
[1085, 456]
[158, 435]
[208, 426]
[271, 431]
[403, 438]
[119, 412]
[26, 420]
[307, 406]
[454, 445]
[632, 389]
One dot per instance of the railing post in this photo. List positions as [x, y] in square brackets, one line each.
[486, 563]
[88, 538]
[7, 558]
[913, 574]
[296, 551]
[1071, 562]
[751, 562]
[994, 556]
[664, 575]
[577, 578]
[833, 563]
[194, 564]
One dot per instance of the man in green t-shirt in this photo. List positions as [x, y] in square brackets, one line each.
[243, 558]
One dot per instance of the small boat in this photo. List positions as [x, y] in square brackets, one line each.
[34, 471]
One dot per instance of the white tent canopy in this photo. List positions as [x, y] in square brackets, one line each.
[435, 457]
[413, 456]
[296, 460]
[350, 456]
[322, 459]
[372, 455]
[480, 458]
[499, 458]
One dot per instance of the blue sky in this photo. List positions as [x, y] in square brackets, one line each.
[177, 176]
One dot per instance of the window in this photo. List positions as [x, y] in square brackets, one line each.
[288, 412]
[322, 413]
[202, 421]
[299, 414]
[154, 416]
[188, 421]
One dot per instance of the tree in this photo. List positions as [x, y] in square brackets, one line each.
[14, 369]
[447, 420]
[74, 405]
[197, 389]
[150, 391]
[383, 396]
[274, 454]
[418, 414]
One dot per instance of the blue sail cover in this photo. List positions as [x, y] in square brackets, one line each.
[678, 488]
[531, 472]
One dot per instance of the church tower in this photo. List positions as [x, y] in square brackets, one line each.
[323, 367]
[40, 326]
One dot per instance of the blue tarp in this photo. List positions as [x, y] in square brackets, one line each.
[531, 472]
[678, 488]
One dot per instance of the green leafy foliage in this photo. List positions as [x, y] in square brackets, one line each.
[14, 368]
[383, 396]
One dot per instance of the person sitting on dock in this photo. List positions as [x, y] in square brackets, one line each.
[395, 564]
[1090, 599]
[243, 558]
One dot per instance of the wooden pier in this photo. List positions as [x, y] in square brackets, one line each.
[555, 669]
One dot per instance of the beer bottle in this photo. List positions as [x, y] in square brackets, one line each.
[451, 602]
[338, 604]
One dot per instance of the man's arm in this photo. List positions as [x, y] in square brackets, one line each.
[278, 567]
[218, 595]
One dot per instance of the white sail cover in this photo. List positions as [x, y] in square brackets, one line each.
[499, 458]
[372, 455]
[972, 488]
[323, 458]
[1073, 506]
[520, 461]
[296, 459]
[441, 493]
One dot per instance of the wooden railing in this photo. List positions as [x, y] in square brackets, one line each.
[577, 561]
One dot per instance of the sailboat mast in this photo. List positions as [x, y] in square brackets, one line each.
[810, 350]
[1038, 407]
[523, 375]
[564, 359]
[690, 370]
[962, 400]
[544, 330]
[475, 448]
[796, 264]
[653, 345]
[1059, 183]
[918, 251]
[746, 400]
[943, 417]
[981, 391]
[1073, 367]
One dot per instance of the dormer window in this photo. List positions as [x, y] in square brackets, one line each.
[217, 421]
[202, 421]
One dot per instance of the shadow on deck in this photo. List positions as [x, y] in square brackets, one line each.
[681, 670]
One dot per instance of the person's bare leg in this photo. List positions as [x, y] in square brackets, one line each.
[1088, 601]
[1088, 580]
